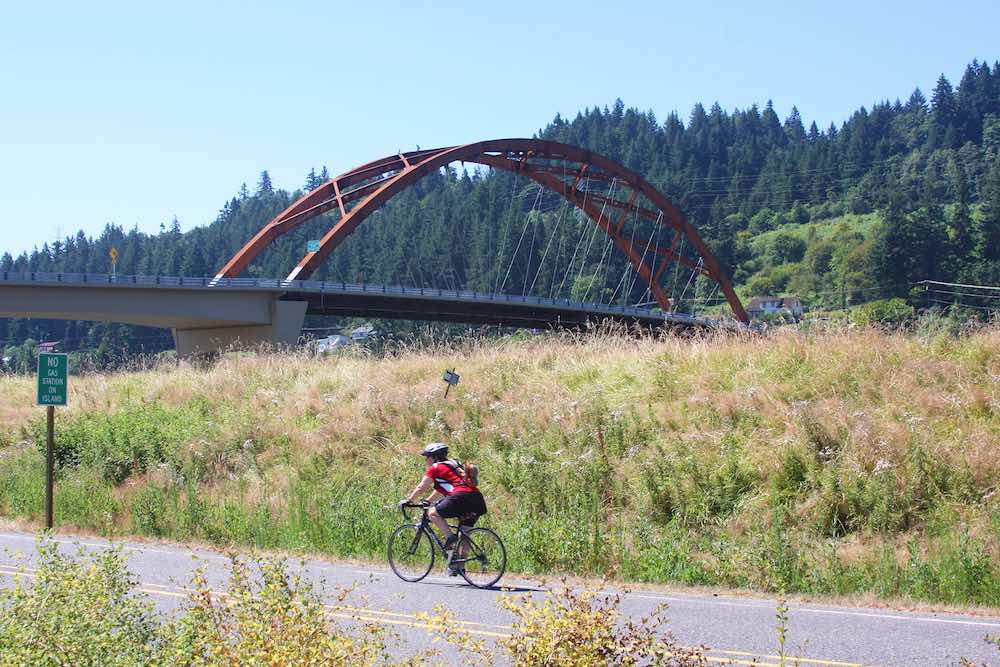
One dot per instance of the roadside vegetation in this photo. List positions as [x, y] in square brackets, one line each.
[89, 610]
[842, 461]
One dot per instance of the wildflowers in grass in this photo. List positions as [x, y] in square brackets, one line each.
[797, 460]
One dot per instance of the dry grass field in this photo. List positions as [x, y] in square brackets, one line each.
[832, 462]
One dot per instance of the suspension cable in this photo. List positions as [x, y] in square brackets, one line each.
[503, 243]
[628, 263]
[524, 229]
[600, 264]
[677, 266]
[597, 226]
[541, 262]
[694, 272]
[569, 267]
[531, 250]
[655, 230]
[648, 294]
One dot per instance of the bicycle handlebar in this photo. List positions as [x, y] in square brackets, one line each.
[423, 504]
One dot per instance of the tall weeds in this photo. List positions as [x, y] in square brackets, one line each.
[828, 461]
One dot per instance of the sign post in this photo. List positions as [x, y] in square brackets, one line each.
[114, 260]
[52, 384]
[451, 379]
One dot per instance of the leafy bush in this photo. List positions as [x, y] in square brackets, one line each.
[694, 491]
[278, 620]
[128, 440]
[84, 610]
[883, 312]
[582, 629]
[572, 629]
[77, 611]
[786, 247]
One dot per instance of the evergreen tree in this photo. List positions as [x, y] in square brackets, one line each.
[917, 102]
[312, 180]
[264, 186]
[794, 129]
[908, 247]
[942, 133]
[962, 259]
[988, 229]
[773, 131]
[195, 263]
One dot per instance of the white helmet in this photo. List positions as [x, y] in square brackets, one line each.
[434, 448]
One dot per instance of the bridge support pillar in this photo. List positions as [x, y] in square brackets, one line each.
[286, 325]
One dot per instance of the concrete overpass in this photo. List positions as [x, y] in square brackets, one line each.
[207, 314]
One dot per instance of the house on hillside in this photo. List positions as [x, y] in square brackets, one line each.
[760, 306]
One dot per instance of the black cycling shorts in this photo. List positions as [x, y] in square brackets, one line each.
[465, 505]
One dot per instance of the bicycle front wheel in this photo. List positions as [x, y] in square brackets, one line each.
[484, 560]
[411, 554]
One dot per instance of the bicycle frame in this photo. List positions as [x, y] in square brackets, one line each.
[425, 527]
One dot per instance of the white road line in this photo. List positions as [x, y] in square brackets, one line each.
[813, 610]
[894, 617]
[124, 546]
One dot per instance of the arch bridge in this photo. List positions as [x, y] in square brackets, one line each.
[208, 315]
[354, 195]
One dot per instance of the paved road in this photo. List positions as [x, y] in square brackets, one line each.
[738, 630]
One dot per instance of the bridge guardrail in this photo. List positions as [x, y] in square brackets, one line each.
[327, 287]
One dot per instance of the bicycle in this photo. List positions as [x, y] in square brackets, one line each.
[479, 555]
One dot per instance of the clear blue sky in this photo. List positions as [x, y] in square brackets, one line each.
[135, 112]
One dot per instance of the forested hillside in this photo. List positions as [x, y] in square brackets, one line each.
[900, 192]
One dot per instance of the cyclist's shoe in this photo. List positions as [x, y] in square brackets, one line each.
[455, 570]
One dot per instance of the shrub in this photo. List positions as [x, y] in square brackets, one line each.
[572, 629]
[278, 620]
[882, 312]
[581, 629]
[84, 610]
[129, 440]
[77, 611]
[786, 247]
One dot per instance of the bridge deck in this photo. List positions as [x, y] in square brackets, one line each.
[360, 300]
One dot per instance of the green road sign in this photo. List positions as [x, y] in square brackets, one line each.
[312, 246]
[52, 384]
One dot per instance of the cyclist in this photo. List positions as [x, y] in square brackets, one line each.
[459, 496]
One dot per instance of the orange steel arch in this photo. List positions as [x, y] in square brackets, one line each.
[561, 168]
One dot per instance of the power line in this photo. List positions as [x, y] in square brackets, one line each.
[938, 282]
[968, 294]
[963, 305]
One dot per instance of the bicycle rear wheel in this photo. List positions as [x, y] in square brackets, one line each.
[411, 554]
[484, 560]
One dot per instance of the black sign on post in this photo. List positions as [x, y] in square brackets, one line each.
[451, 378]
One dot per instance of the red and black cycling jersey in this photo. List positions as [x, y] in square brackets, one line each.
[446, 480]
